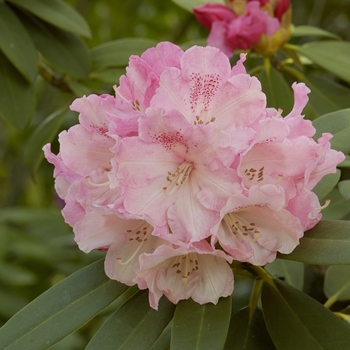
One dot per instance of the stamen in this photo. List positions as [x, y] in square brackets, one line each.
[325, 205]
[279, 113]
[185, 265]
[88, 180]
[135, 105]
[243, 228]
[177, 178]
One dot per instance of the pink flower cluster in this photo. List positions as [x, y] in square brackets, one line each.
[185, 170]
[242, 23]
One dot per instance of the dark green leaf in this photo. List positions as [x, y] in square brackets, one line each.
[337, 283]
[77, 88]
[326, 96]
[325, 186]
[248, 334]
[291, 271]
[61, 310]
[64, 50]
[312, 31]
[345, 163]
[278, 92]
[191, 4]
[338, 124]
[17, 96]
[57, 13]
[43, 134]
[344, 188]
[116, 53]
[332, 56]
[108, 75]
[328, 243]
[163, 342]
[339, 207]
[297, 321]
[200, 326]
[17, 45]
[135, 325]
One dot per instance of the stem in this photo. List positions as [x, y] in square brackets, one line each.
[291, 47]
[328, 304]
[261, 273]
[254, 298]
[294, 73]
[267, 64]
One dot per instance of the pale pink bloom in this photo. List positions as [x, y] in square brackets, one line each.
[254, 227]
[229, 33]
[198, 272]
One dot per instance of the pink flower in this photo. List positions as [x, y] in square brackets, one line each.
[241, 25]
[185, 169]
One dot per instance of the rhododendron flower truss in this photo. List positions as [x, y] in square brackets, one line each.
[185, 170]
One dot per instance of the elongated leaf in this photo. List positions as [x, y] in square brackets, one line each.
[17, 96]
[61, 310]
[44, 133]
[135, 325]
[326, 96]
[345, 163]
[325, 186]
[163, 342]
[291, 271]
[108, 75]
[337, 283]
[297, 321]
[190, 4]
[64, 50]
[278, 92]
[17, 45]
[328, 243]
[312, 31]
[116, 53]
[344, 188]
[332, 56]
[57, 13]
[339, 207]
[338, 124]
[200, 326]
[248, 334]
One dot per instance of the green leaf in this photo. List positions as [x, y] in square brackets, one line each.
[57, 13]
[311, 31]
[17, 96]
[190, 4]
[326, 96]
[328, 243]
[325, 186]
[43, 134]
[338, 208]
[17, 45]
[297, 321]
[61, 310]
[77, 88]
[248, 334]
[64, 50]
[291, 271]
[163, 342]
[200, 326]
[344, 188]
[108, 75]
[338, 124]
[135, 325]
[278, 92]
[337, 283]
[116, 53]
[345, 163]
[332, 56]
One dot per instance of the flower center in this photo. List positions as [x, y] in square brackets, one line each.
[253, 174]
[178, 177]
[238, 226]
[137, 237]
[185, 265]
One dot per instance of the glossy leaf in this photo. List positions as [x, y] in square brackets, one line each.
[116, 53]
[337, 283]
[248, 334]
[332, 56]
[291, 271]
[312, 31]
[325, 186]
[17, 96]
[278, 92]
[344, 188]
[200, 326]
[61, 310]
[17, 45]
[339, 207]
[297, 321]
[43, 134]
[191, 4]
[57, 13]
[64, 50]
[326, 96]
[338, 124]
[328, 243]
[135, 325]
